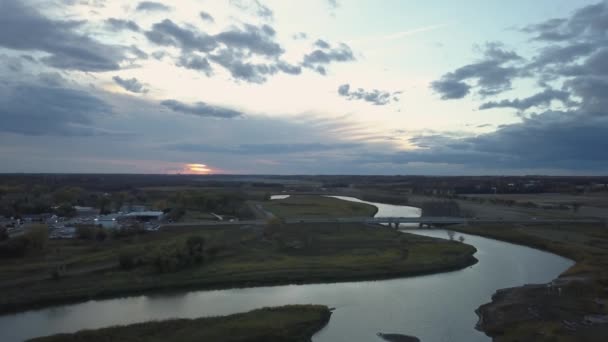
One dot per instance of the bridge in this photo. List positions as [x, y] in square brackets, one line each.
[396, 221]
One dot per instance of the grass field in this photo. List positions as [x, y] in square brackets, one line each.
[317, 206]
[246, 256]
[534, 313]
[294, 323]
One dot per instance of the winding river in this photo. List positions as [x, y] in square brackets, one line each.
[438, 307]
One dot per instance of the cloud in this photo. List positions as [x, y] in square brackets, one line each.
[233, 49]
[572, 57]
[195, 62]
[152, 6]
[255, 7]
[167, 33]
[299, 35]
[375, 96]
[121, 24]
[206, 17]
[322, 56]
[51, 110]
[543, 98]
[494, 74]
[258, 40]
[132, 84]
[201, 109]
[333, 4]
[263, 149]
[24, 28]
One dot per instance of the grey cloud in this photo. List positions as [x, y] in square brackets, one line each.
[573, 56]
[168, 33]
[51, 110]
[132, 84]
[258, 40]
[333, 3]
[201, 109]
[231, 49]
[317, 59]
[451, 89]
[23, 28]
[543, 98]
[376, 97]
[195, 62]
[206, 17]
[322, 44]
[492, 73]
[263, 149]
[152, 6]
[121, 24]
[591, 20]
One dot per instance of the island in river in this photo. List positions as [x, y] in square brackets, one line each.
[292, 323]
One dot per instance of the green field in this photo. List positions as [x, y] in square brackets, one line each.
[243, 256]
[317, 206]
[293, 323]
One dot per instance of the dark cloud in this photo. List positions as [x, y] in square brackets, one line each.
[451, 89]
[494, 74]
[319, 58]
[375, 96]
[258, 40]
[543, 98]
[201, 109]
[131, 84]
[206, 17]
[24, 28]
[51, 110]
[168, 33]
[120, 25]
[589, 21]
[572, 57]
[255, 7]
[263, 149]
[195, 62]
[232, 49]
[152, 6]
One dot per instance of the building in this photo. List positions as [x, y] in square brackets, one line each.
[144, 216]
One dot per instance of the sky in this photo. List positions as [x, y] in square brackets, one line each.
[389, 87]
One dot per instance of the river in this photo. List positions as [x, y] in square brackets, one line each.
[438, 307]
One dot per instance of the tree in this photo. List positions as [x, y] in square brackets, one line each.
[451, 234]
[85, 232]
[3, 234]
[65, 210]
[38, 237]
[461, 239]
[273, 226]
[195, 245]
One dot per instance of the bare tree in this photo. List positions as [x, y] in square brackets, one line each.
[451, 234]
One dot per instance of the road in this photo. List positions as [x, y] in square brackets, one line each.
[400, 220]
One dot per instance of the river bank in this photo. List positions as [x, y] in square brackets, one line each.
[292, 323]
[572, 307]
[294, 254]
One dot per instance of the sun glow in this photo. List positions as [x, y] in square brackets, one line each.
[197, 169]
